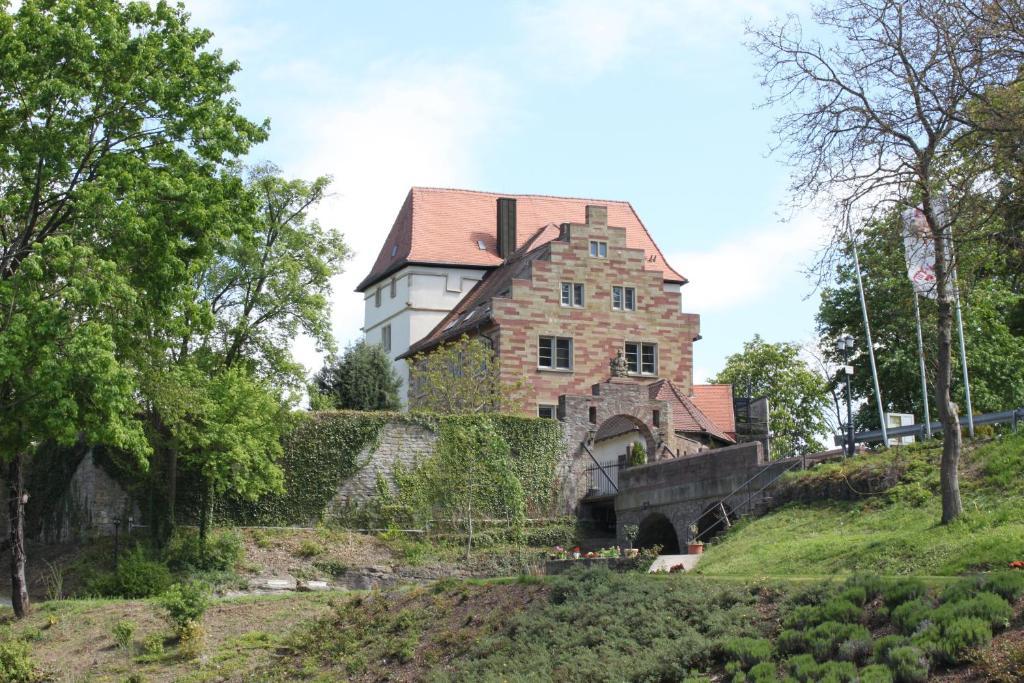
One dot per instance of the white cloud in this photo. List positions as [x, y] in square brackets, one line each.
[404, 126]
[582, 38]
[751, 268]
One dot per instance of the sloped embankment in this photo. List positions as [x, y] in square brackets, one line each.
[883, 517]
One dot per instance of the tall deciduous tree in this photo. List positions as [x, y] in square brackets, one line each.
[362, 379]
[880, 98]
[106, 111]
[797, 395]
[463, 376]
[266, 282]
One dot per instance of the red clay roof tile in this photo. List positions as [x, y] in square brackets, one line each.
[715, 401]
[446, 226]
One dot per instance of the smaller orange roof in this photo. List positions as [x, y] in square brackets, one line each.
[687, 416]
[715, 401]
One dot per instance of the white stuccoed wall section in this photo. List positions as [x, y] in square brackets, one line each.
[423, 295]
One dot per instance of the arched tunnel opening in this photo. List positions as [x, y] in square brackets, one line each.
[656, 529]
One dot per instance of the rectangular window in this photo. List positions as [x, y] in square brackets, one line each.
[598, 249]
[572, 294]
[641, 358]
[394, 288]
[548, 411]
[385, 337]
[623, 298]
[555, 353]
[376, 297]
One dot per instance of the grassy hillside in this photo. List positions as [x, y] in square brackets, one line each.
[893, 532]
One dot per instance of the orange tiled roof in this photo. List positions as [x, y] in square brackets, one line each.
[446, 226]
[686, 415]
[715, 401]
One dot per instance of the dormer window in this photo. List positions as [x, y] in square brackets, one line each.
[394, 250]
[598, 249]
[480, 245]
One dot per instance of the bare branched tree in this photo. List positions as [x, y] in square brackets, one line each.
[880, 98]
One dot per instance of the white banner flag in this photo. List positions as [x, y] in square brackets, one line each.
[920, 252]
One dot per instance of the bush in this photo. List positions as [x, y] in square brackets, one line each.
[803, 668]
[185, 604]
[870, 583]
[309, 548]
[908, 616]
[184, 552]
[823, 641]
[16, 662]
[855, 650]
[136, 577]
[124, 634]
[876, 673]
[1008, 585]
[988, 606]
[791, 642]
[191, 636]
[153, 644]
[858, 595]
[837, 672]
[562, 532]
[903, 591]
[886, 644]
[908, 664]
[959, 637]
[838, 609]
[748, 651]
[765, 672]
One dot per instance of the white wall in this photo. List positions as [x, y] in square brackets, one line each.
[607, 452]
[423, 296]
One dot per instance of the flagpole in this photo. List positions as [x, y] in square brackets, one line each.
[920, 360]
[867, 332]
[963, 354]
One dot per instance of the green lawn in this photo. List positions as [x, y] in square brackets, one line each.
[895, 532]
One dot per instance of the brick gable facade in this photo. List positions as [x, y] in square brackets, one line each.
[533, 309]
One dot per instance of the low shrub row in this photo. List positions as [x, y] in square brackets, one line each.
[824, 636]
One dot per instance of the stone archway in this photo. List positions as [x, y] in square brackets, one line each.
[620, 430]
[656, 529]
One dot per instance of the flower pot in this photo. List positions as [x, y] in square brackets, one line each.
[695, 548]
[575, 556]
[632, 552]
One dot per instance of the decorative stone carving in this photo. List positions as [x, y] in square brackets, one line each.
[619, 366]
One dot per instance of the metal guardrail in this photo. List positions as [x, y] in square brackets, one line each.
[614, 486]
[602, 480]
[720, 506]
[1012, 417]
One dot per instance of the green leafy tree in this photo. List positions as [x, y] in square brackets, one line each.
[362, 379]
[265, 283]
[110, 115]
[992, 295]
[463, 376]
[469, 477]
[797, 395]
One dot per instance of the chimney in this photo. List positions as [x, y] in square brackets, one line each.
[506, 226]
[597, 215]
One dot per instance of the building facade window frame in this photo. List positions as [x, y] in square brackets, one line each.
[598, 249]
[572, 294]
[623, 298]
[641, 358]
[385, 337]
[394, 287]
[554, 353]
[547, 411]
[376, 297]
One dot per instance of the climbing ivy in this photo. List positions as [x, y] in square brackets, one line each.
[324, 448]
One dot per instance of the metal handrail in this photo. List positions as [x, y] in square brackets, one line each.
[721, 502]
[1011, 416]
[599, 465]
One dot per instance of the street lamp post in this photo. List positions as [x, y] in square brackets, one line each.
[844, 345]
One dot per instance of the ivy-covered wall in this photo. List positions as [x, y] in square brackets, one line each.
[332, 459]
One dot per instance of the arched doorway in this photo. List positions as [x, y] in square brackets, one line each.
[714, 521]
[656, 529]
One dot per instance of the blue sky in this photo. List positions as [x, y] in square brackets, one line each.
[650, 101]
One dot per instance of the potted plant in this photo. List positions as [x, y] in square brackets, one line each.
[637, 455]
[630, 531]
[695, 546]
[576, 552]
